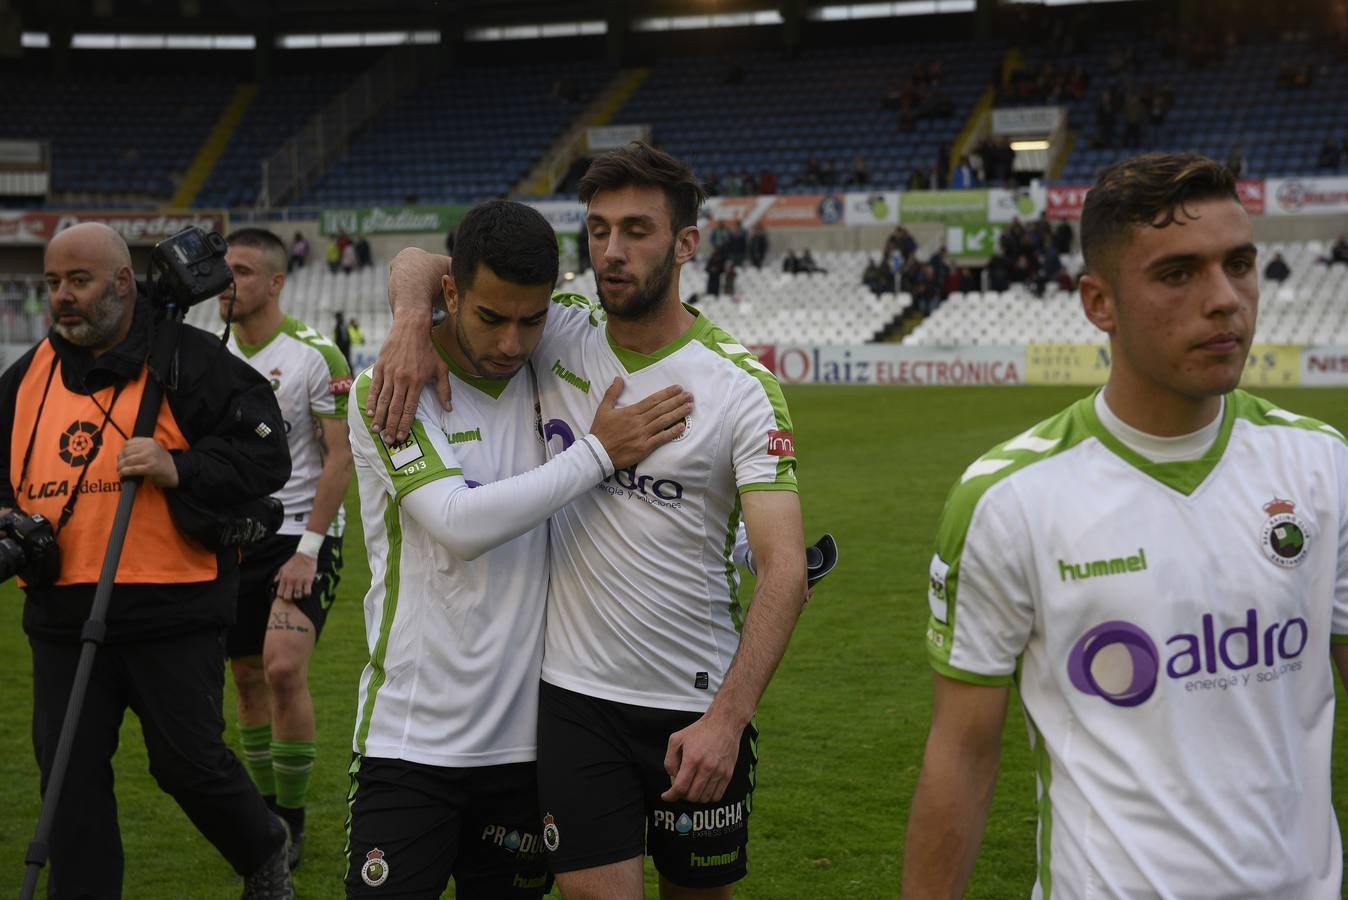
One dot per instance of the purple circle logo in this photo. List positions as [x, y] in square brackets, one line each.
[1143, 659]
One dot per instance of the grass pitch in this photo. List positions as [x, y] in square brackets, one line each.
[842, 724]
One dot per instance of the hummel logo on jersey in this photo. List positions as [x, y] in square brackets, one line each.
[463, 437]
[1119, 565]
[570, 377]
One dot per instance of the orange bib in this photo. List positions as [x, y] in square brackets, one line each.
[76, 429]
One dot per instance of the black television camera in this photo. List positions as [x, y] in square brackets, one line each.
[29, 550]
[187, 268]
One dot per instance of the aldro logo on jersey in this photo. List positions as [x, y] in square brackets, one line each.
[80, 443]
[1119, 662]
[1285, 538]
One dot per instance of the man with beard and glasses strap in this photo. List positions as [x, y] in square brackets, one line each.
[652, 670]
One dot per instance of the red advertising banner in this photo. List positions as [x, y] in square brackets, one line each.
[1065, 200]
[805, 209]
[1251, 193]
[135, 227]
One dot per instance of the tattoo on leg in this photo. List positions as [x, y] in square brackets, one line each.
[280, 621]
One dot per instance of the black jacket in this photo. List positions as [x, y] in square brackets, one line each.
[218, 402]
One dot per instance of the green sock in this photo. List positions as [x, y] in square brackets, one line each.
[293, 762]
[256, 740]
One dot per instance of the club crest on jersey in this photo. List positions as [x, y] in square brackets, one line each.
[552, 838]
[1286, 538]
[687, 429]
[375, 871]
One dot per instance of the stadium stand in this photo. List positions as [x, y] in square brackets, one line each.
[728, 115]
[126, 138]
[1241, 99]
[466, 136]
[1310, 307]
[282, 105]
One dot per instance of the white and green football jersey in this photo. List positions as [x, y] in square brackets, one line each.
[1169, 628]
[311, 380]
[644, 606]
[455, 638]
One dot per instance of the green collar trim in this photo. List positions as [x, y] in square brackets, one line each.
[1184, 476]
[287, 326]
[492, 387]
[634, 362]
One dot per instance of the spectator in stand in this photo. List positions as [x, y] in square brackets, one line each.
[828, 175]
[942, 166]
[926, 291]
[999, 273]
[1062, 238]
[758, 245]
[807, 264]
[964, 175]
[767, 182]
[582, 250]
[790, 263]
[860, 176]
[813, 172]
[1051, 262]
[748, 185]
[1134, 111]
[731, 271]
[1277, 269]
[715, 268]
[348, 258]
[968, 279]
[299, 253]
[951, 283]
[334, 256]
[1330, 154]
[1022, 270]
[1235, 161]
[341, 336]
[874, 277]
[343, 241]
[737, 243]
[363, 258]
[1105, 112]
[353, 332]
[1338, 253]
[919, 179]
[712, 185]
[720, 234]
[903, 242]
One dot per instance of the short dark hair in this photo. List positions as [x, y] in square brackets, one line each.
[1146, 190]
[264, 240]
[641, 164]
[511, 239]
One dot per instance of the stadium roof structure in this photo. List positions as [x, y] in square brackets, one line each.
[252, 16]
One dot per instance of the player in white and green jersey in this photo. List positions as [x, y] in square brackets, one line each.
[288, 581]
[1162, 570]
[443, 782]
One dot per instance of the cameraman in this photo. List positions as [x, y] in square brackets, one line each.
[70, 405]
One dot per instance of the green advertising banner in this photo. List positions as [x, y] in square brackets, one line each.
[392, 219]
[948, 207]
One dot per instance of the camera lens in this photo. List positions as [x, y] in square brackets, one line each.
[12, 558]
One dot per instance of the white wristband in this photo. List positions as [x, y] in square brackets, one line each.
[310, 543]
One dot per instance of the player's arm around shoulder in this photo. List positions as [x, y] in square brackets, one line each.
[407, 360]
[954, 789]
[701, 757]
